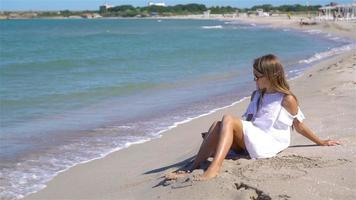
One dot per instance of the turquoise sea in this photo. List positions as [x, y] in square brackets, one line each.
[76, 90]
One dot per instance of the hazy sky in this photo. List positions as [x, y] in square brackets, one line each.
[94, 4]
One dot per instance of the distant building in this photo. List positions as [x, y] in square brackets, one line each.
[74, 17]
[87, 15]
[90, 15]
[96, 15]
[259, 12]
[207, 13]
[22, 15]
[333, 4]
[153, 14]
[156, 4]
[338, 12]
[105, 7]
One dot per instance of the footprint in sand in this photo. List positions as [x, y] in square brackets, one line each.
[283, 168]
[332, 89]
[346, 86]
[249, 192]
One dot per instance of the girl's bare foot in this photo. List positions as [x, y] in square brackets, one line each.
[209, 174]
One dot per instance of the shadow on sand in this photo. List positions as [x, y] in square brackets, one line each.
[304, 145]
[181, 165]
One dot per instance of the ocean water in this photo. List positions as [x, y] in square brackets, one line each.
[76, 90]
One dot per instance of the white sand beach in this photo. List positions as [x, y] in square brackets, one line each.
[327, 96]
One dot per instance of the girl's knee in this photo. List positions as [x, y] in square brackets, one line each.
[233, 122]
[227, 119]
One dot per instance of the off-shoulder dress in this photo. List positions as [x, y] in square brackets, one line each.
[269, 131]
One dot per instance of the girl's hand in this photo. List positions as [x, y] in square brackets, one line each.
[329, 143]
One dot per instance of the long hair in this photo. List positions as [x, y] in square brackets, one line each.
[271, 68]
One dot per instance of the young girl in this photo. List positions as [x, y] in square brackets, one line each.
[265, 128]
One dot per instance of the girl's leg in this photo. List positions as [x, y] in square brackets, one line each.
[209, 145]
[230, 133]
[207, 148]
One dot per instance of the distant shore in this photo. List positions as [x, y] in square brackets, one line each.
[304, 171]
[340, 28]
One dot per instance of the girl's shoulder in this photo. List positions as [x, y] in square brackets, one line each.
[290, 103]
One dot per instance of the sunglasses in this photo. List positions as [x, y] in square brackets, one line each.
[255, 78]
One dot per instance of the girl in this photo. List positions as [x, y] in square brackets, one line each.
[265, 128]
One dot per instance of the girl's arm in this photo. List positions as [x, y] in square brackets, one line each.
[301, 128]
[291, 105]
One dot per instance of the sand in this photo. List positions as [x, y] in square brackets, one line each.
[327, 95]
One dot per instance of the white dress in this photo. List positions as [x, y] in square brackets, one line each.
[268, 132]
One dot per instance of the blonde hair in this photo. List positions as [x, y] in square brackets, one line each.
[271, 68]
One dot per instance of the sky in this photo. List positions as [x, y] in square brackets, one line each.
[18, 5]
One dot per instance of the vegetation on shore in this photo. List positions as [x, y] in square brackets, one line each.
[176, 10]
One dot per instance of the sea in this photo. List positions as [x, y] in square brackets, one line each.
[76, 90]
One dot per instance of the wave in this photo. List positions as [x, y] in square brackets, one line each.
[212, 27]
[231, 22]
[331, 52]
[37, 171]
[313, 31]
[328, 36]
[238, 24]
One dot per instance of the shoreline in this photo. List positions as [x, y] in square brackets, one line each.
[217, 112]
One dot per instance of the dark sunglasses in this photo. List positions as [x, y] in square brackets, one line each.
[255, 78]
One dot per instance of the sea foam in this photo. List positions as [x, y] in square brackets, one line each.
[212, 27]
[331, 52]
